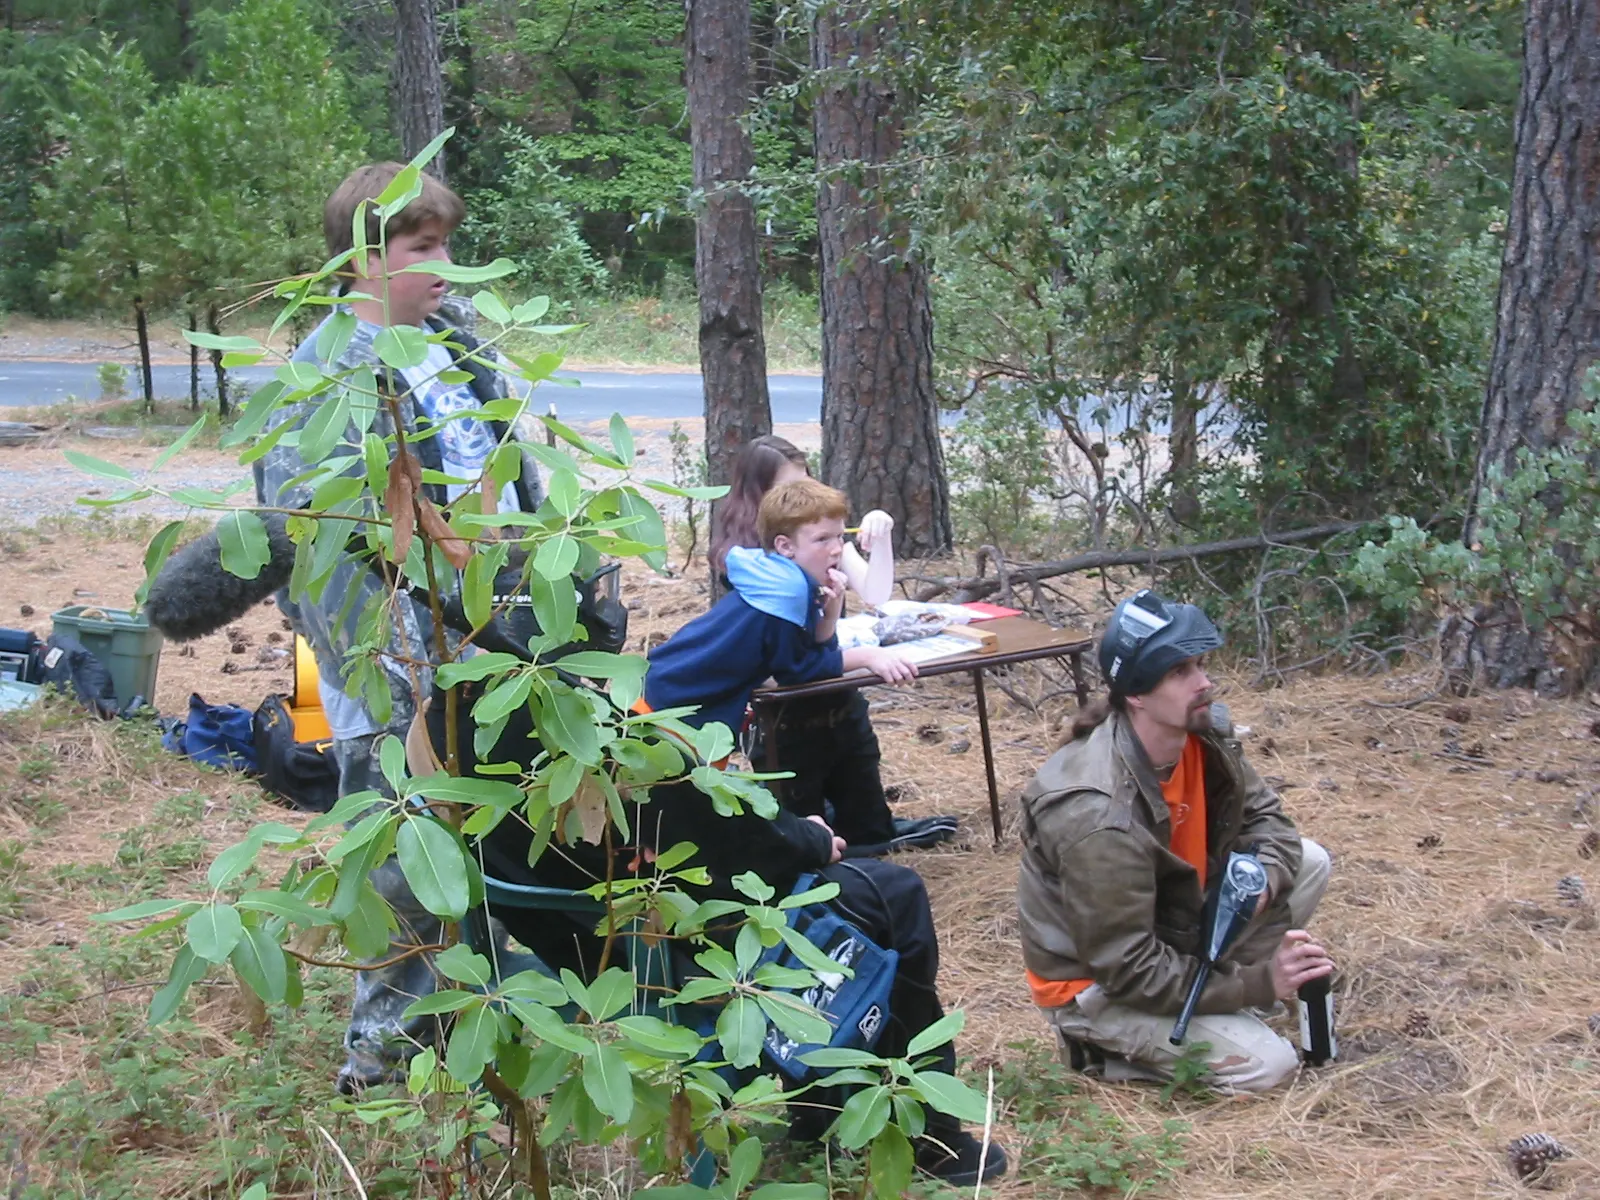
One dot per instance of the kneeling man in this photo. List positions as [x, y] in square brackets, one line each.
[1122, 829]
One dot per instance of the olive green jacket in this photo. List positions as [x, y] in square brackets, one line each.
[1102, 896]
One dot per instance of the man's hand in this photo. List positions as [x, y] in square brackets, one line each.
[1297, 960]
[833, 595]
[876, 526]
[888, 666]
[838, 842]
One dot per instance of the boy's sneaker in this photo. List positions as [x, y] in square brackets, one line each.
[953, 1157]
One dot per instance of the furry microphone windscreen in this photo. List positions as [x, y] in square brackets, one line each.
[193, 594]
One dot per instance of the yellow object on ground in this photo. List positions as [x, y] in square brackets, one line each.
[305, 701]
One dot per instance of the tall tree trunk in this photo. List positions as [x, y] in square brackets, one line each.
[461, 93]
[216, 363]
[186, 37]
[733, 348]
[194, 365]
[1184, 446]
[141, 325]
[880, 417]
[418, 78]
[1547, 325]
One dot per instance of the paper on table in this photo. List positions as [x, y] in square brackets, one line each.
[933, 649]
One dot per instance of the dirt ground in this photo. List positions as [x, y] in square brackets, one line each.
[1466, 985]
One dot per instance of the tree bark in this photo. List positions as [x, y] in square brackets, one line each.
[1547, 324]
[194, 366]
[185, 14]
[418, 79]
[141, 325]
[880, 417]
[216, 363]
[727, 271]
[1185, 450]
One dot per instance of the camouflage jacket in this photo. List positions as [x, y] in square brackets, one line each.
[330, 624]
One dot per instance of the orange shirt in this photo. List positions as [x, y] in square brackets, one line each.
[1185, 794]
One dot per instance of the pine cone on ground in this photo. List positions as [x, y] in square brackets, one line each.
[1418, 1024]
[1570, 890]
[1531, 1154]
[1590, 846]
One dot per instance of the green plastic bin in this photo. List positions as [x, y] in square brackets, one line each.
[125, 643]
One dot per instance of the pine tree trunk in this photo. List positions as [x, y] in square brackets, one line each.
[141, 325]
[880, 418]
[1185, 450]
[727, 271]
[216, 363]
[1547, 327]
[194, 366]
[185, 14]
[418, 79]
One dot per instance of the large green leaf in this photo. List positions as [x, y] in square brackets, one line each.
[473, 1042]
[187, 968]
[610, 993]
[401, 346]
[370, 922]
[259, 959]
[283, 904]
[155, 557]
[556, 557]
[462, 272]
[434, 866]
[214, 931]
[863, 1117]
[622, 440]
[463, 965]
[465, 789]
[609, 1083]
[145, 908]
[646, 528]
[950, 1096]
[245, 548]
[741, 1027]
[660, 1038]
[324, 428]
[941, 1031]
[435, 1003]
[566, 723]
[889, 1168]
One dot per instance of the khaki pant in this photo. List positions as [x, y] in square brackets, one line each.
[1245, 1055]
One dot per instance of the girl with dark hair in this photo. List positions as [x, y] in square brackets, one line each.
[762, 464]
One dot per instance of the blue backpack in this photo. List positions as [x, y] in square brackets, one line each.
[218, 735]
[856, 1006]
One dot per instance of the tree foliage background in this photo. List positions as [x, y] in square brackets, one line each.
[1197, 268]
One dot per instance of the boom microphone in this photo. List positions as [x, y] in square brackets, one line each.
[194, 594]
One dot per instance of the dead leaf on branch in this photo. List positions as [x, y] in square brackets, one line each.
[420, 758]
[405, 477]
[433, 524]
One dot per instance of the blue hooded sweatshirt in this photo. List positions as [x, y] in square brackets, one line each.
[761, 629]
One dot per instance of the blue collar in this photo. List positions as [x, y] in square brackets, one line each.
[772, 584]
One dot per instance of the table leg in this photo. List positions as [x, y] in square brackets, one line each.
[1079, 684]
[767, 717]
[988, 753]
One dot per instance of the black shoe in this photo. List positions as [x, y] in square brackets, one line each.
[953, 1157]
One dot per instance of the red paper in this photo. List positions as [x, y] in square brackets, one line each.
[988, 612]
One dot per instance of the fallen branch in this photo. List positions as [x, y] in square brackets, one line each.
[978, 586]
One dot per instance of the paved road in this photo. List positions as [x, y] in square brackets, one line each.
[796, 399]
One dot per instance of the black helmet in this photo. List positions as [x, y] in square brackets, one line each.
[1147, 637]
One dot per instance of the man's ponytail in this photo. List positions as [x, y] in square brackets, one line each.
[1093, 715]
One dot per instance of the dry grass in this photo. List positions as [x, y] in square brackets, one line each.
[1442, 913]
